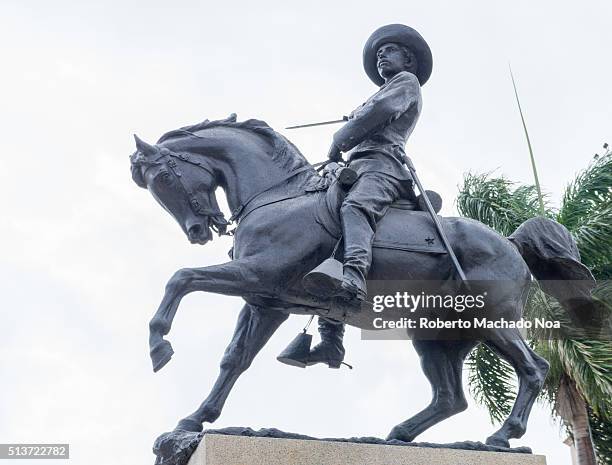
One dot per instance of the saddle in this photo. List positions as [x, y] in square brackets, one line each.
[406, 226]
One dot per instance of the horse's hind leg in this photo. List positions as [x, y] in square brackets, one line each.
[254, 328]
[531, 370]
[442, 363]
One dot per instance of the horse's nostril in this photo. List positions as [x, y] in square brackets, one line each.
[194, 231]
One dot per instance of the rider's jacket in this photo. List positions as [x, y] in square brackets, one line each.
[377, 131]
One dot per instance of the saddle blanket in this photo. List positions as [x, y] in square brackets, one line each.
[402, 228]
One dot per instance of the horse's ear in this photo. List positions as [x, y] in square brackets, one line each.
[144, 148]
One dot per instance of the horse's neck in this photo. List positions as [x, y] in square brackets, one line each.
[246, 180]
[246, 167]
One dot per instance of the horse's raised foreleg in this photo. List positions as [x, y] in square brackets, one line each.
[442, 363]
[531, 370]
[229, 278]
[255, 326]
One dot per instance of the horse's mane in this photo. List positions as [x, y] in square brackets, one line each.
[283, 151]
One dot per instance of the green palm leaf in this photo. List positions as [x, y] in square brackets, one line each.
[588, 363]
[587, 212]
[491, 382]
[498, 202]
[542, 208]
[602, 437]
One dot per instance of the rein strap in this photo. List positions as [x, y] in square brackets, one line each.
[238, 211]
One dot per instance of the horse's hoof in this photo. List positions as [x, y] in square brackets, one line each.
[497, 442]
[161, 354]
[400, 434]
[187, 424]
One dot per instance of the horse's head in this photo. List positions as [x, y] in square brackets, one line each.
[183, 186]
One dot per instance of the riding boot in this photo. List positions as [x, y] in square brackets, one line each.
[330, 350]
[358, 236]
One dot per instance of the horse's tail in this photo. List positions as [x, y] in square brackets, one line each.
[553, 259]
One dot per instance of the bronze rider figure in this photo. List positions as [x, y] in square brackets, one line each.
[397, 59]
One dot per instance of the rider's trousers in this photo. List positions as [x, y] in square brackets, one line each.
[365, 204]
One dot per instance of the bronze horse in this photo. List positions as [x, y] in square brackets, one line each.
[279, 239]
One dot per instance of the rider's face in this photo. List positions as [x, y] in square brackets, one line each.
[391, 59]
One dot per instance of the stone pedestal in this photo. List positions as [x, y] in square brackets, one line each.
[216, 449]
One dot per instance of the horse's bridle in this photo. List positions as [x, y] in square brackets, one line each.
[217, 221]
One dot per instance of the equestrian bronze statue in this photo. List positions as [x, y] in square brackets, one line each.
[290, 219]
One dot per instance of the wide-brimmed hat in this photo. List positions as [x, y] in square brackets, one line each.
[403, 35]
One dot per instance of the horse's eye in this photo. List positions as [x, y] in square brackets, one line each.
[165, 177]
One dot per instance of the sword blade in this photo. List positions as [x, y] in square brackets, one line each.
[344, 118]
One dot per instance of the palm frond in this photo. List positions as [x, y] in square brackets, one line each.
[588, 363]
[491, 382]
[542, 306]
[602, 272]
[586, 210]
[498, 202]
[594, 237]
[590, 188]
[601, 431]
[542, 208]
[601, 427]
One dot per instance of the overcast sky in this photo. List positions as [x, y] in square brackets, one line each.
[85, 253]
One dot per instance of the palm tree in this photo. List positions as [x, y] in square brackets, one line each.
[579, 385]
